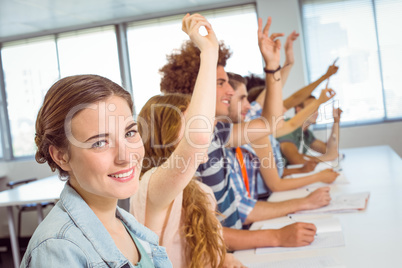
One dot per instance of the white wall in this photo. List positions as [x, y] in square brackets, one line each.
[286, 18]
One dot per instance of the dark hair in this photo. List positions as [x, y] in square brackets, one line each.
[301, 105]
[254, 92]
[235, 80]
[62, 97]
[181, 71]
[254, 80]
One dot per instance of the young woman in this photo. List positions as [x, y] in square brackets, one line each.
[177, 131]
[85, 130]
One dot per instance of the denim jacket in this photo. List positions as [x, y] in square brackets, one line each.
[71, 235]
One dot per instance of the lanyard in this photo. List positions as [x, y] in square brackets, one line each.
[239, 156]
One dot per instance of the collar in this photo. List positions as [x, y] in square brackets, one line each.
[92, 228]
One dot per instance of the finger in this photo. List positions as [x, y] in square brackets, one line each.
[276, 35]
[278, 44]
[191, 20]
[308, 239]
[327, 83]
[309, 227]
[293, 36]
[184, 22]
[259, 26]
[267, 26]
[196, 25]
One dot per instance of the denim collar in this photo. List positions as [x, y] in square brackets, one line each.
[92, 228]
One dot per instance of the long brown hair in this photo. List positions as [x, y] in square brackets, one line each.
[202, 231]
[62, 97]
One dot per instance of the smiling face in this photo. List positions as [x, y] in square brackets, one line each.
[239, 105]
[104, 160]
[224, 92]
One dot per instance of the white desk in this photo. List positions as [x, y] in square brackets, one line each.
[373, 237]
[43, 190]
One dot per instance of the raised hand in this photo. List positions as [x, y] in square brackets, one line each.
[318, 198]
[191, 25]
[270, 46]
[290, 59]
[327, 175]
[332, 69]
[337, 114]
[326, 95]
[297, 234]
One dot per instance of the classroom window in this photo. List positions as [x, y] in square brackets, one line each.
[150, 41]
[361, 34]
[30, 68]
[92, 51]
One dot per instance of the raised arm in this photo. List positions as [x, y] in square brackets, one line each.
[329, 149]
[300, 95]
[298, 120]
[290, 59]
[173, 176]
[272, 110]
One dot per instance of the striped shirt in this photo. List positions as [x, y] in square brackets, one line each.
[215, 173]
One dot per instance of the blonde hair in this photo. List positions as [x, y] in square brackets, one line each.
[202, 231]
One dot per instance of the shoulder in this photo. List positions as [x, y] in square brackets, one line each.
[138, 201]
[254, 112]
[56, 240]
[56, 252]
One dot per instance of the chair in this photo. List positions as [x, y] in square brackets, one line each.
[26, 207]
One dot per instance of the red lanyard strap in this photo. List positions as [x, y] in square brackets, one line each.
[239, 156]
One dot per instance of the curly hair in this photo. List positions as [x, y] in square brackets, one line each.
[181, 71]
[62, 97]
[201, 229]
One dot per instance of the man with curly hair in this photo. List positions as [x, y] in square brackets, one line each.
[179, 76]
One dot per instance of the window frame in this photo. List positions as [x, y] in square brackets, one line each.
[357, 123]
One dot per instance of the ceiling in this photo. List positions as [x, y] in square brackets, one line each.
[25, 18]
